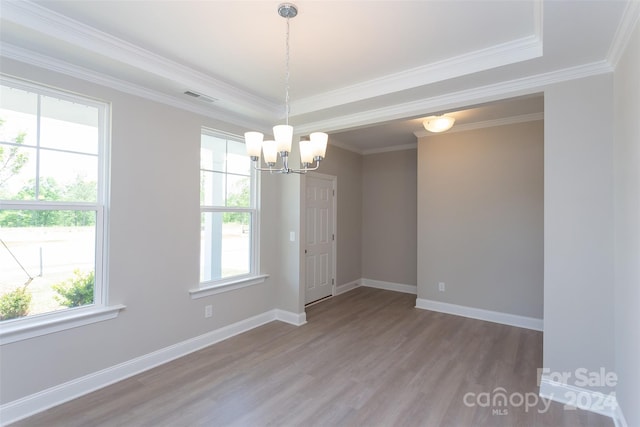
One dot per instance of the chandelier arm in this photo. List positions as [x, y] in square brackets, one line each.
[264, 169]
[312, 169]
[285, 169]
[272, 171]
[305, 169]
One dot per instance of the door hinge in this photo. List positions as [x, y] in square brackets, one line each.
[333, 281]
[333, 237]
[334, 193]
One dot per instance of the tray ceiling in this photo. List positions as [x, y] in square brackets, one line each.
[353, 64]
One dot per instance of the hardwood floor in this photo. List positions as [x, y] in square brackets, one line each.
[365, 358]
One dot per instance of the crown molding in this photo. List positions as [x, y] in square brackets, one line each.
[390, 149]
[504, 54]
[488, 93]
[518, 50]
[369, 151]
[42, 61]
[485, 124]
[457, 128]
[454, 100]
[333, 142]
[624, 32]
[60, 27]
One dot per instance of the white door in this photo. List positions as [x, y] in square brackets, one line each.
[320, 237]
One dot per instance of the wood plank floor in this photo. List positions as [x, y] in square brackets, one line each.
[365, 358]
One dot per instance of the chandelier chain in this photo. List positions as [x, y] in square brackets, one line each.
[286, 83]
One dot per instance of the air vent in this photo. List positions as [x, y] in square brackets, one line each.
[200, 96]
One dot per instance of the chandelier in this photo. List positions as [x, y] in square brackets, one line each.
[312, 151]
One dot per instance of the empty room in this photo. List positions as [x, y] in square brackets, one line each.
[358, 213]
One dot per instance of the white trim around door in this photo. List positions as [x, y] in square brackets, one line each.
[331, 183]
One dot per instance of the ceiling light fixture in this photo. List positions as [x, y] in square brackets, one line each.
[438, 123]
[311, 151]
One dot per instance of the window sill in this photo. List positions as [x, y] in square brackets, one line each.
[47, 324]
[218, 288]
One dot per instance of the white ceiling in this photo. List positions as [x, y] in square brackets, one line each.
[374, 66]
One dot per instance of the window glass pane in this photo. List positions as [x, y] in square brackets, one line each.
[212, 188]
[237, 160]
[47, 261]
[68, 176]
[68, 126]
[18, 120]
[238, 191]
[17, 172]
[225, 245]
[212, 153]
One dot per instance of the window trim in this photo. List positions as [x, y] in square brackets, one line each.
[45, 323]
[48, 323]
[231, 285]
[212, 287]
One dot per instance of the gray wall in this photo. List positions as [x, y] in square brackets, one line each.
[289, 287]
[480, 218]
[153, 248]
[578, 226]
[389, 244]
[627, 230]
[347, 167]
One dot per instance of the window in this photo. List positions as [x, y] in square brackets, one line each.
[228, 214]
[53, 165]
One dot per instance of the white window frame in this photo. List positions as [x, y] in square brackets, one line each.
[40, 324]
[254, 277]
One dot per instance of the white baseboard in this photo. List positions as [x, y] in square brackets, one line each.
[378, 284]
[618, 417]
[390, 286]
[588, 400]
[43, 400]
[478, 313]
[341, 289]
[296, 319]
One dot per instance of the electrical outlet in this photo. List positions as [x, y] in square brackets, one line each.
[441, 286]
[208, 310]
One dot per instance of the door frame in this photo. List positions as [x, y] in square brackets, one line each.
[303, 234]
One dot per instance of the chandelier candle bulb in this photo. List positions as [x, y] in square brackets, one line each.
[306, 152]
[319, 144]
[253, 141]
[283, 134]
[270, 150]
